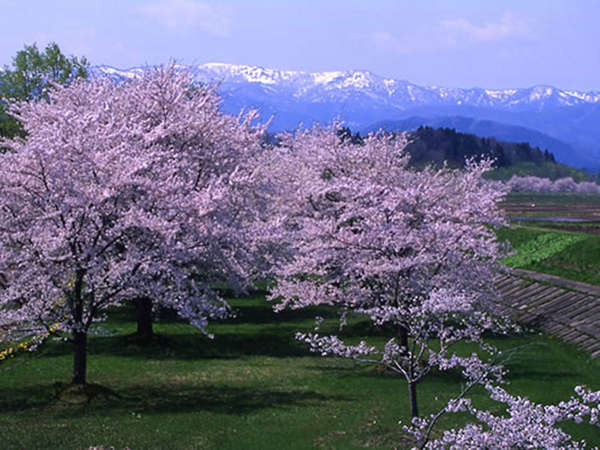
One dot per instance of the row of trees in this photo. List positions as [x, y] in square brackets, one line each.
[537, 184]
[145, 189]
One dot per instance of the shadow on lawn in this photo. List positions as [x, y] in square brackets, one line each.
[260, 312]
[221, 399]
[173, 398]
[271, 342]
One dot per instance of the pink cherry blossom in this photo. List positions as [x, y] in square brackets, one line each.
[414, 250]
[142, 188]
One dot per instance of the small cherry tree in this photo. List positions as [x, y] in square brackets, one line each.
[414, 250]
[121, 191]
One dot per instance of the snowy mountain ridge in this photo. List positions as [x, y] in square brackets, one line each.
[320, 86]
[361, 98]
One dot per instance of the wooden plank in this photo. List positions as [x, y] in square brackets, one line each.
[502, 280]
[537, 321]
[557, 303]
[512, 291]
[551, 298]
[585, 345]
[568, 334]
[515, 283]
[511, 282]
[593, 346]
[589, 314]
[554, 327]
[579, 307]
[527, 295]
[547, 292]
[526, 305]
[590, 328]
[573, 315]
[581, 339]
[559, 281]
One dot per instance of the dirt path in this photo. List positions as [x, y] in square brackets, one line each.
[566, 308]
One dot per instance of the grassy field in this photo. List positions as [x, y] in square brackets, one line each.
[252, 386]
[573, 255]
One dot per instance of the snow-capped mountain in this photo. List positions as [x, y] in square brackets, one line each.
[330, 86]
[361, 98]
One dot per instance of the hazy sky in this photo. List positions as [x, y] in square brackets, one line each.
[460, 43]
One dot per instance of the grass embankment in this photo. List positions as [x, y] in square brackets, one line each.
[252, 386]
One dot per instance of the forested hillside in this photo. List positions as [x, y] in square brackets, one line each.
[428, 145]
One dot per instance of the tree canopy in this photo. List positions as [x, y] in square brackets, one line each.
[412, 249]
[32, 73]
[120, 191]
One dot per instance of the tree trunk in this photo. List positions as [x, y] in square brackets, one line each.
[412, 397]
[80, 334]
[143, 314]
[79, 359]
[412, 386]
[403, 338]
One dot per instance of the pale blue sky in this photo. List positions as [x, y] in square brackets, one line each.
[460, 43]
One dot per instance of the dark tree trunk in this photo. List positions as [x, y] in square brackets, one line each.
[79, 360]
[80, 335]
[412, 397]
[403, 338]
[412, 386]
[143, 314]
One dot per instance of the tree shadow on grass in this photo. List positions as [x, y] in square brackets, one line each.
[273, 341]
[30, 397]
[172, 399]
[260, 313]
[222, 399]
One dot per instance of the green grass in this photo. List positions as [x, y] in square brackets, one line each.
[252, 386]
[571, 255]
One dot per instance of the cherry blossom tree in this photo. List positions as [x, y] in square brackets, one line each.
[414, 250]
[204, 147]
[122, 191]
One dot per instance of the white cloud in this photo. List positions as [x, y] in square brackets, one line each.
[507, 27]
[186, 14]
[449, 34]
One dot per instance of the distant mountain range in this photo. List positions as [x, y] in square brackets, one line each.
[566, 122]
